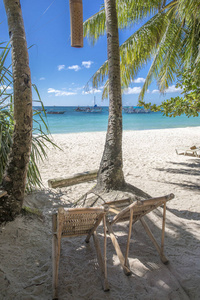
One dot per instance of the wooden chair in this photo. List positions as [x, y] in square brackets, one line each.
[124, 210]
[74, 222]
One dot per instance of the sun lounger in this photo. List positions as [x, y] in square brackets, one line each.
[124, 210]
[75, 222]
[192, 151]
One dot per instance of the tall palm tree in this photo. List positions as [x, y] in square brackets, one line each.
[40, 140]
[110, 175]
[170, 39]
[14, 180]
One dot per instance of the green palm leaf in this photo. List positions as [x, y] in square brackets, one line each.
[170, 38]
[41, 138]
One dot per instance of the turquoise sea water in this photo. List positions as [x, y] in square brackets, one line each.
[72, 121]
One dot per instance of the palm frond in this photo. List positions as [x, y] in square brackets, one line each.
[170, 39]
[41, 138]
[41, 141]
[128, 11]
[131, 11]
[95, 26]
[134, 53]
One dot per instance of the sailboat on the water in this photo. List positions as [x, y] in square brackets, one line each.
[88, 109]
[96, 109]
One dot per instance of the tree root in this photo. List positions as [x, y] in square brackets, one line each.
[98, 196]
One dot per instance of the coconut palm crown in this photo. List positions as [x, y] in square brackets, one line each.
[169, 40]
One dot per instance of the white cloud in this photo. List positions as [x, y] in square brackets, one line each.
[139, 80]
[155, 92]
[42, 78]
[134, 90]
[173, 89]
[74, 67]
[80, 88]
[60, 93]
[3, 87]
[87, 64]
[94, 91]
[86, 92]
[61, 67]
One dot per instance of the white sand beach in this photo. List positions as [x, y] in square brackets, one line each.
[151, 164]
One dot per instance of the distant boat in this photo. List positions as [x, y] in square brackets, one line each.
[55, 112]
[136, 110]
[94, 109]
[84, 109]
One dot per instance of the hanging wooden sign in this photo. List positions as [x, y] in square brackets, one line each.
[76, 20]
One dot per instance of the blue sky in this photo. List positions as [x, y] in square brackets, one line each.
[60, 71]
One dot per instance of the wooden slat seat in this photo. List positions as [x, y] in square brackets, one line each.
[120, 212]
[74, 222]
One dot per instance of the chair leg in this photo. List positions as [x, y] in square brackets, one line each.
[56, 241]
[163, 229]
[105, 255]
[101, 263]
[129, 237]
[150, 234]
[126, 268]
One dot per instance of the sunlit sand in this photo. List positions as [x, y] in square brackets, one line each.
[151, 164]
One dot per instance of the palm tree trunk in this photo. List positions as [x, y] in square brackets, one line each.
[16, 171]
[110, 175]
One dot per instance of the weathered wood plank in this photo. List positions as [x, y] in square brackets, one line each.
[71, 180]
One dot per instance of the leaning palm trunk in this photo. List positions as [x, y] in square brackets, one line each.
[16, 171]
[110, 175]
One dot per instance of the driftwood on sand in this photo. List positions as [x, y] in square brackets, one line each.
[74, 179]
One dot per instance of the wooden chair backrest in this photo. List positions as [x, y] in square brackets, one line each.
[79, 221]
[140, 208]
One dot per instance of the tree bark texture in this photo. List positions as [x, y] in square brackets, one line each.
[110, 175]
[16, 171]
